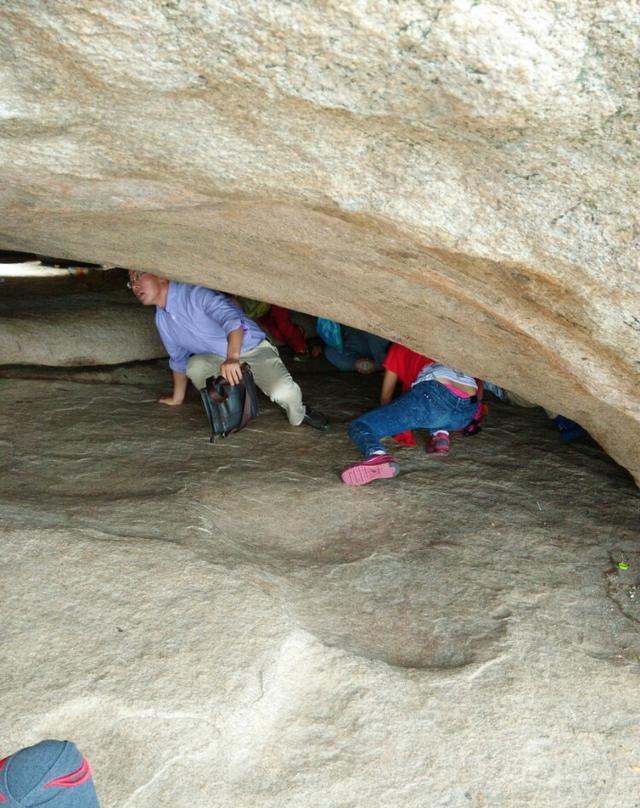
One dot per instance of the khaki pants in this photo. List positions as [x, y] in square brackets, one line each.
[269, 371]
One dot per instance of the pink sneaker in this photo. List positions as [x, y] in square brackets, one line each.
[376, 467]
[438, 444]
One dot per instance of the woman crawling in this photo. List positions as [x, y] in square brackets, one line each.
[440, 398]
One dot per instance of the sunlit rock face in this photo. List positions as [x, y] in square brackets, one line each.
[461, 176]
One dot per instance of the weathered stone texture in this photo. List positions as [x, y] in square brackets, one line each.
[461, 176]
[228, 626]
[72, 332]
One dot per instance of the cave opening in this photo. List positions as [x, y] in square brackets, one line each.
[46, 297]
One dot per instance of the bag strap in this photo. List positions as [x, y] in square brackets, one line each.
[214, 393]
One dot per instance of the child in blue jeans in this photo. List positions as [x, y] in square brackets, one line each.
[440, 398]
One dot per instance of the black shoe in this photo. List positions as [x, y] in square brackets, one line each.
[316, 419]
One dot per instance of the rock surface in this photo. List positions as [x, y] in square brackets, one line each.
[45, 323]
[229, 625]
[461, 176]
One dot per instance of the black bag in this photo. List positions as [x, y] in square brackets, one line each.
[230, 407]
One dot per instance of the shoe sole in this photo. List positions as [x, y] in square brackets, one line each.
[437, 448]
[363, 474]
[315, 423]
[319, 427]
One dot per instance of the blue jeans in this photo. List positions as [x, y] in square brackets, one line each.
[428, 405]
[357, 344]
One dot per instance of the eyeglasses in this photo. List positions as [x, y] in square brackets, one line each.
[134, 279]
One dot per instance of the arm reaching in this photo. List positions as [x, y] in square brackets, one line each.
[388, 386]
[230, 368]
[180, 382]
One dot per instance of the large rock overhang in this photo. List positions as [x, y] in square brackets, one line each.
[462, 179]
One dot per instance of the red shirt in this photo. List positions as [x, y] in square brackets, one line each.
[406, 364]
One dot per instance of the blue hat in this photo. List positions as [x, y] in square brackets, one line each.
[51, 773]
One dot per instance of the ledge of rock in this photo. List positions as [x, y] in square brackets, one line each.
[49, 326]
[461, 177]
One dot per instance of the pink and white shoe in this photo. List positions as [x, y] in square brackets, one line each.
[376, 467]
[438, 444]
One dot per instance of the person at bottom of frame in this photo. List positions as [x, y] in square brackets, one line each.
[51, 773]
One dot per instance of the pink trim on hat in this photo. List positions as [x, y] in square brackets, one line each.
[76, 778]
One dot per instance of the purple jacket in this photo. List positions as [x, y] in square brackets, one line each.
[197, 320]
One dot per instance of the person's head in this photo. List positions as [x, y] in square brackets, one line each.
[148, 288]
[51, 773]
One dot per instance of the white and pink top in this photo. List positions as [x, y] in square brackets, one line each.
[447, 376]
